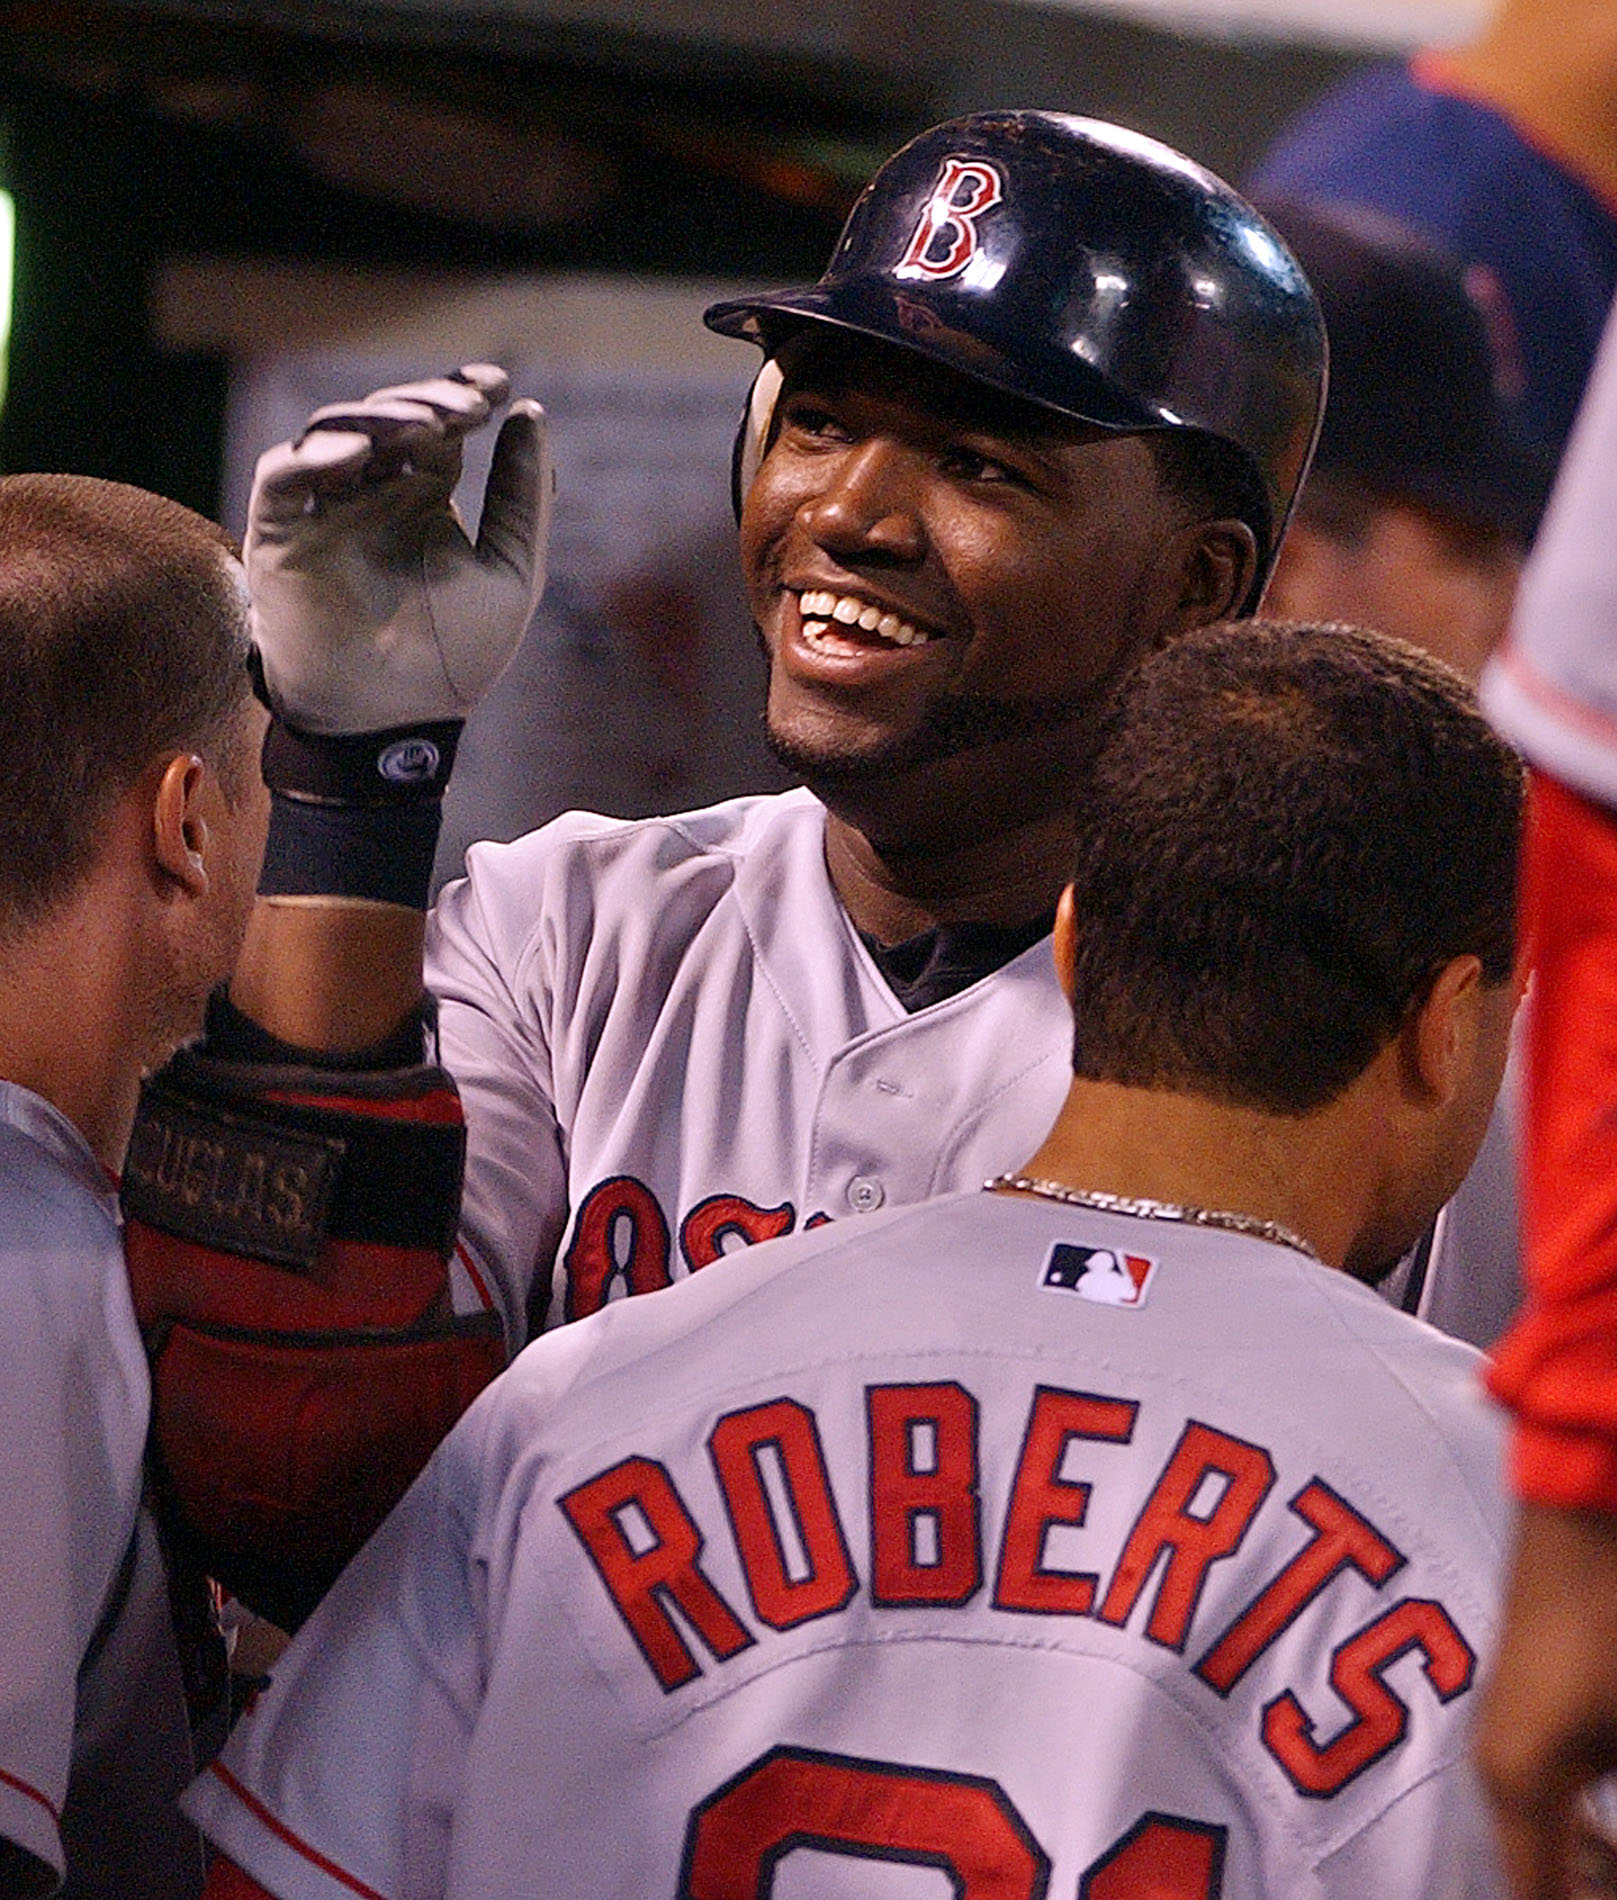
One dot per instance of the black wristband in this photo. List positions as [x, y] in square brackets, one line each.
[397, 765]
[405, 765]
[382, 853]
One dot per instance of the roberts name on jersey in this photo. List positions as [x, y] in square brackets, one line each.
[938, 1539]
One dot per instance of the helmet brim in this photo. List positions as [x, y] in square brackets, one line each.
[1065, 384]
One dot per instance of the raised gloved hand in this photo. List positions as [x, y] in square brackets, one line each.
[372, 606]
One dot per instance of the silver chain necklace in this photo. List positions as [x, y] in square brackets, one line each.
[1156, 1210]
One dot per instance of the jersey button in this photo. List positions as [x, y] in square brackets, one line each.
[865, 1194]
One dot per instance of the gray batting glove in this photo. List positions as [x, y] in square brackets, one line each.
[372, 606]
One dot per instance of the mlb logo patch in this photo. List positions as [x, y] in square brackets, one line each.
[1101, 1274]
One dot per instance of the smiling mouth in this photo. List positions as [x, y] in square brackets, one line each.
[831, 621]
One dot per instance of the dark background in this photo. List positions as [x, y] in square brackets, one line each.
[717, 140]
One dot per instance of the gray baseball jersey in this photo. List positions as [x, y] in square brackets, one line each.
[991, 1547]
[671, 1042]
[94, 1747]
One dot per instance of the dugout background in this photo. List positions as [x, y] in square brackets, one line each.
[228, 213]
[471, 139]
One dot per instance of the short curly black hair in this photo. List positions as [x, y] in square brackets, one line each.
[1285, 832]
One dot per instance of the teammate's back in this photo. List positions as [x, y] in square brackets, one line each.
[1000, 1576]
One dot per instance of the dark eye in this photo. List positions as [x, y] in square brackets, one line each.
[976, 465]
[805, 416]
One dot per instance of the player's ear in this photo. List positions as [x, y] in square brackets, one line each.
[1064, 942]
[179, 831]
[1439, 1034]
[1218, 567]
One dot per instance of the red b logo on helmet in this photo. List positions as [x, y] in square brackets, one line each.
[946, 238]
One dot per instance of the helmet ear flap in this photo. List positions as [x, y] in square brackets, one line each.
[752, 437]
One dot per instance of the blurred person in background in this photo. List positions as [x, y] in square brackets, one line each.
[1505, 152]
[1427, 486]
[1425, 492]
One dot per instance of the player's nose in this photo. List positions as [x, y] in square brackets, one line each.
[868, 502]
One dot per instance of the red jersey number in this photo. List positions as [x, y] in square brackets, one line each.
[963, 1824]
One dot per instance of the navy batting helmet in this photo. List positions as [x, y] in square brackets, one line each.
[1082, 267]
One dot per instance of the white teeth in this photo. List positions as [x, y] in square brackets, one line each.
[821, 608]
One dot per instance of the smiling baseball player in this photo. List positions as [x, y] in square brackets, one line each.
[1047, 409]
[905, 1557]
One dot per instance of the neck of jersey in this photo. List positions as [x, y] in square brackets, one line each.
[947, 958]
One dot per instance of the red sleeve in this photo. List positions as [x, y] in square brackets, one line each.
[226, 1881]
[1557, 1367]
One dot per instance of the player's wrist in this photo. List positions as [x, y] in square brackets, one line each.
[231, 1035]
[398, 766]
[356, 815]
[380, 854]
[387, 765]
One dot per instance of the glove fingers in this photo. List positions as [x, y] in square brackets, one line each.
[288, 475]
[396, 480]
[460, 401]
[515, 525]
[488, 377]
[381, 421]
[407, 429]
[461, 389]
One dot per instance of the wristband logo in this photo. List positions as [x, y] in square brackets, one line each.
[410, 761]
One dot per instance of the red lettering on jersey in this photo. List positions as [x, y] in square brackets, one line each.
[620, 1230]
[962, 1825]
[642, 1580]
[1160, 1858]
[721, 1217]
[1341, 1539]
[1380, 1718]
[925, 1533]
[966, 188]
[827, 1583]
[1193, 1543]
[1040, 1498]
